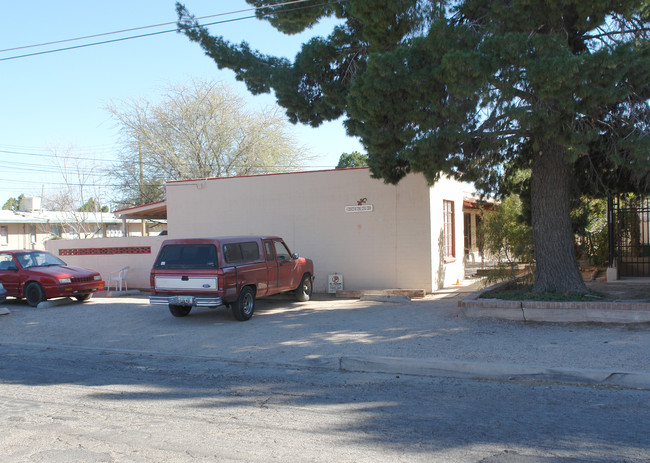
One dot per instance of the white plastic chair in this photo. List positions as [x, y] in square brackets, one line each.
[119, 278]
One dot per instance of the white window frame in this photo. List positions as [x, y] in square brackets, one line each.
[449, 230]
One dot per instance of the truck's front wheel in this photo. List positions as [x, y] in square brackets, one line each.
[303, 291]
[179, 310]
[244, 306]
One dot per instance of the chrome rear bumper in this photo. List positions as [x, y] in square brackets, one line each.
[193, 301]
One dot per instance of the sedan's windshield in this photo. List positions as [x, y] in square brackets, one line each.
[38, 259]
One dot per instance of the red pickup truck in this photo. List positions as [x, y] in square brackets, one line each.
[230, 271]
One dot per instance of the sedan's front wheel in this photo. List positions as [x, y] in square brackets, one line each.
[34, 294]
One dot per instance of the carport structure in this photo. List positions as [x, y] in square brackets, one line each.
[153, 212]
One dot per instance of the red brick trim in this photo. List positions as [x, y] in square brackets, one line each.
[105, 251]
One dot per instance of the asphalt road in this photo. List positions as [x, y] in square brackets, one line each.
[117, 380]
[61, 405]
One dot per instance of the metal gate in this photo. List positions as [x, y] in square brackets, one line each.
[629, 235]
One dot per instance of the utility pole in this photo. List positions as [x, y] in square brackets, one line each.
[143, 223]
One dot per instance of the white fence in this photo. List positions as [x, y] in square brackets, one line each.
[109, 255]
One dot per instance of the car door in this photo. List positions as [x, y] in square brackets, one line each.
[9, 274]
[272, 267]
[285, 266]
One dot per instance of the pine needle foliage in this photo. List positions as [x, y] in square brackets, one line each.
[473, 88]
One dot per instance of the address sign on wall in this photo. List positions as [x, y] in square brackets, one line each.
[361, 206]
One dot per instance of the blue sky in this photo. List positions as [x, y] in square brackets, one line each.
[58, 100]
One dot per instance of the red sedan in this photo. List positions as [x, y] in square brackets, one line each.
[39, 275]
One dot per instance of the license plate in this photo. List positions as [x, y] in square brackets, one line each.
[185, 300]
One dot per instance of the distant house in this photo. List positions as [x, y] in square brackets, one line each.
[32, 227]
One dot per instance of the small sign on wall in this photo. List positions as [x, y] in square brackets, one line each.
[334, 283]
[364, 208]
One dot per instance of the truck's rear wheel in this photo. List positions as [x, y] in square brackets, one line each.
[244, 306]
[179, 310]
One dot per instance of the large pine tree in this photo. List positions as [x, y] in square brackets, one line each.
[475, 87]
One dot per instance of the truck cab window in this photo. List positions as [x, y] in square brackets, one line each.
[281, 251]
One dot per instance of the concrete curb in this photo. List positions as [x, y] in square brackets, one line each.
[48, 304]
[568, 312]
[385, 298]
[416, 367]
[128, 292]
[54, 303]
[546, 311]
[493, 371]
[411, 293]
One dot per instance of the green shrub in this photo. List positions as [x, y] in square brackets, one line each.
[508, 240]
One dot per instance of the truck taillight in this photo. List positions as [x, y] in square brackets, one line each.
[220, 284]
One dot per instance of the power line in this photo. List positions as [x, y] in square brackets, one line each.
[104, 34]
[62, 157]
[133, 29]
[93, 44]
[49, 148]
[122, 39]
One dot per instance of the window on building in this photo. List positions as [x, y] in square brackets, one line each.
[114, 231]
[448, 230]
[56, 231]
[467, 231]
[479, 235]
[4, 235]
[32, 234]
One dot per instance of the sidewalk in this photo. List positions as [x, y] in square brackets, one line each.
[502, 345]
[421, 337]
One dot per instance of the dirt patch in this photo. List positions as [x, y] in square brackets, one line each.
[598, 290]
[628, 291]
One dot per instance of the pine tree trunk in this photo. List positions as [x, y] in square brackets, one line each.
[557, 267]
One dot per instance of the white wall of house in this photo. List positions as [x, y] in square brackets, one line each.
[390, 247]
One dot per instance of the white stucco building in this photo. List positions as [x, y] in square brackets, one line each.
[377, 236]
